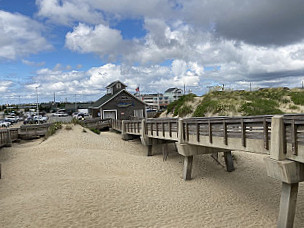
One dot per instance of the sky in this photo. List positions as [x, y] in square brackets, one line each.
[75, 48]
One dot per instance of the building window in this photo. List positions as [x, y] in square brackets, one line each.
[118, 85]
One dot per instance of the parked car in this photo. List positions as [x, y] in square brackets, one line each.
[78, 116]
[4, 123]
[11, 119]
[60, 114]
[41, 119]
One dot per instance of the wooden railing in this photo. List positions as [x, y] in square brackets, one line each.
[132, 126]
[33, 130]
[251, 134]
[162, 128]
[117, 125]
[7, 136]
[97, 123]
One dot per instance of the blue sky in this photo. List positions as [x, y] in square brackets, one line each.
[73, 47]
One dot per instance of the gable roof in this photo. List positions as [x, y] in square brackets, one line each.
[171, 90]
[113, 83]
[106, 98]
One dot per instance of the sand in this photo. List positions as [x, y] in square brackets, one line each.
[80, 179]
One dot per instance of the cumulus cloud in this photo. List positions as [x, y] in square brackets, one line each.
[100, 39]
[20, 36]
[4, 86]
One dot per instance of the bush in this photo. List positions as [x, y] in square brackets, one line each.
[293, 107]
[207, 105]
[297, 98]
[53, 128]
[184, 110]
[260, 107]
[176, 105]
[96, 131]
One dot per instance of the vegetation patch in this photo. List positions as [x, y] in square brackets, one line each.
[260, 107]
[96, 131]
[179, 107]
[53, 128]
[297, 98]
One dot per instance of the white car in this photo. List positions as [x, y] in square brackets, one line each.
[60, 114]
[4, 124]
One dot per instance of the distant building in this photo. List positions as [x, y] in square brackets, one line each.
[118, 103]
[173, 94]
[154, 101]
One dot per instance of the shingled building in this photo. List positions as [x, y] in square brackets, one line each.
[118, 103]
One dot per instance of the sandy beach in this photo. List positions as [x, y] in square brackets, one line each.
[81, 179]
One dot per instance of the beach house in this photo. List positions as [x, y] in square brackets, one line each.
[118, 103]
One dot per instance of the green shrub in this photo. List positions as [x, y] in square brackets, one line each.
[184, 110]
[96, 131]
[205, 106]
[53, 128]
[293, 107]
[176, 105]
[260, 107]
[297, 98]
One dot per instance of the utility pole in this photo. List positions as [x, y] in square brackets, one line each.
[75, 102]
[37, 105]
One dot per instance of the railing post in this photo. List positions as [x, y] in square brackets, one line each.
[181, 132]
[277, 143]
[290, 173]
[8, 138]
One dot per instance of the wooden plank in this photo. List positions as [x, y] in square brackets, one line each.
[170, 129]
[156, 128]
[294, 146]
[163, 128]
[187, 131]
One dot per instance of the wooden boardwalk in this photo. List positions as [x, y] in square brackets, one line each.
[280, 137]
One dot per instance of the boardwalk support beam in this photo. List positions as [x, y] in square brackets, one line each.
[188, 160]
[290, 173]
[228, 161]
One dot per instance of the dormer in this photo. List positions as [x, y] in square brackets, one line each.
[115, 87]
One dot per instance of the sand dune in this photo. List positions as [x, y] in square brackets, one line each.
[80, 179]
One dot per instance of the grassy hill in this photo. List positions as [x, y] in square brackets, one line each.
[239, 103]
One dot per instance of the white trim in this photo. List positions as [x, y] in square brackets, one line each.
[112, 110]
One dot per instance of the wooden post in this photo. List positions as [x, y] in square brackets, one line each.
[294, 146]
[229, 161]
[265, 127]
[149, 153]
[165, 151]
[188, 160]
[288, 205]
[0, 171]
[210, 131]
[225, 133]
[243, 132]
[180, 130]
[277, 150]
[8, 138]
[197, 132]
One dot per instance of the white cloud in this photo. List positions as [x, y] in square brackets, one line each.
[100, 39]
[30, 63]
[20, 36]
[4, 86]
